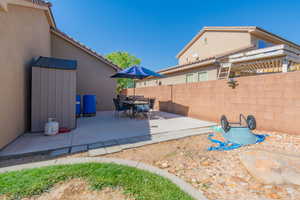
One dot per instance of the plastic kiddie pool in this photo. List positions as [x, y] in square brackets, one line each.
[235, 134]
[238, 135]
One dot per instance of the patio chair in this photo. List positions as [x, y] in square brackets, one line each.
[151, 103]
[151, 106]
[142, 109]
[121, 97]
[119, 107]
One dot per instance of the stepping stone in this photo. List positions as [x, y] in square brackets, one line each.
[271, 167]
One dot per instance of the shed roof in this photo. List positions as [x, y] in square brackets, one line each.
[55, 63]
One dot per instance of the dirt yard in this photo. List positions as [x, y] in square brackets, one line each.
[80, 190]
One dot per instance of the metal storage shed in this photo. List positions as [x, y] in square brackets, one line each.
[53, 93]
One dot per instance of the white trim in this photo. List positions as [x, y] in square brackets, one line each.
[258, 51]
[275, 51]
[259, 56]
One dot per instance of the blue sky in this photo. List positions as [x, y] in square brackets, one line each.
[156, 30]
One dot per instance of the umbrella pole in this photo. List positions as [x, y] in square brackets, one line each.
[133, 87]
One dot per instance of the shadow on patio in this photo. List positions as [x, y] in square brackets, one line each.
[105, 130]
[170, 106]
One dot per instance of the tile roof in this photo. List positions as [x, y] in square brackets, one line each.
[85, 48]
[204, 60]
[187, 64]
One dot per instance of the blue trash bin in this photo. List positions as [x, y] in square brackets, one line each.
[78, 105]
[89, 105]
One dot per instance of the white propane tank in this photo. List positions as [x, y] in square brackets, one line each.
[51, 127]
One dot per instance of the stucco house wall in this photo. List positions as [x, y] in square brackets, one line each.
[212, 43]
[179, 77]
[93, 75]
[24, 35]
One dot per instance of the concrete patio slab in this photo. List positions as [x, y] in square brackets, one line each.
[106, 130]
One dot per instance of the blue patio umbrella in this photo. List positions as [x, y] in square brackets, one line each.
[136, 72]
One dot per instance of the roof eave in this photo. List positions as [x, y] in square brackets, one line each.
[51, 18]
[187, 66]
[261, 32]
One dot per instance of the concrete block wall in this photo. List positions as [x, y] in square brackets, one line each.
[273, 99]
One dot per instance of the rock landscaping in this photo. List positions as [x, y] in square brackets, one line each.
[265, 171]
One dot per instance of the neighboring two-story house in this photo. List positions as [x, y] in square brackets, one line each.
[223, 52]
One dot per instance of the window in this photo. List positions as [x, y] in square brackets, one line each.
[190, 78]
[196, 77]
[263, 44]
[202, 76]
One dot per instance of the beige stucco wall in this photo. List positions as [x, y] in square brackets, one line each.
[213, 43]
[24, 35]
[93, 75]
[179, 77]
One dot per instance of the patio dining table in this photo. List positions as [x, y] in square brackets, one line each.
[133, 103]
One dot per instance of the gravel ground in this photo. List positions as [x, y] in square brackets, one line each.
[219, 175]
